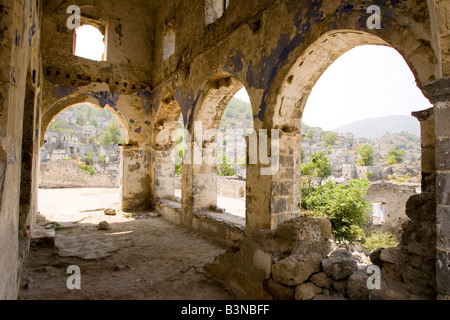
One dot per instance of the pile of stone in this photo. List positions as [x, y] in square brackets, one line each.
[308, 277]
[296, 261]
[409, 270]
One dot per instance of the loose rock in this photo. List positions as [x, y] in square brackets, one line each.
[307, 291]
[110, 212]
[281, 292]
[321, 280]
[104, 226]
[294, 270]
[357, 285]
[340, 264]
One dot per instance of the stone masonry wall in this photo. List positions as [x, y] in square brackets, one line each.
[67, 174]
[395, 196]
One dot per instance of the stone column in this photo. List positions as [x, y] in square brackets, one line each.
[286, 183]
[274, 198]
[439, 91]
[164, 174]
[199, 184]
[428, 143]
[136, 179]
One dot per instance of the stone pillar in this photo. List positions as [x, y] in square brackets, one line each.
[274, 198]
[439, 91]
[164, 174]
[428, 140]
[286, 183]
[136, 179]
[199, 184]
[204, 178]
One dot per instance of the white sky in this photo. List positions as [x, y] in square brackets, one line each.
[366, 82]
[89, 43]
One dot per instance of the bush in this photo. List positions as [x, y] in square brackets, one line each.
[379, 239]
[225, 169]
[367, 156]
[88, 169]
[343, 205]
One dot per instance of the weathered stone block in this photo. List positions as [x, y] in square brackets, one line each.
[279, 205]
[263, 261]
[339, 285]
[443, 153]
[357, 288]
[443, 188]
[302, 236]
[375, 257]
[296, 269]
[443, 272]
[307, 291]
[321, 280]
[281, 292]
[340, 264]
[443, 227]
[442, 125]
[391, 255]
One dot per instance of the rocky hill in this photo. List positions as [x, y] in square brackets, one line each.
[377, 127]
[344, 156]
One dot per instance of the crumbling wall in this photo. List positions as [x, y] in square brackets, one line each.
[67, 174]
[122, 83]
[394, 196]
[20, 66]
[249, 268]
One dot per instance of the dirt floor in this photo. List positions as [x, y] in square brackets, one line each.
[142, 256]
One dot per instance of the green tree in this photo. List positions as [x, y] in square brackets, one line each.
[179, 153]
[80, 119]
[113, 135]
[101, 159]
[395, 156]
[107, 139]
[330, 139]
[310, 134]
[322, 165]
[89, 158]
[225, 169]
[94, 122]
[367, 156]
[343, 205]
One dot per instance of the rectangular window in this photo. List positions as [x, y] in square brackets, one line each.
[214, 9]
[169, 39]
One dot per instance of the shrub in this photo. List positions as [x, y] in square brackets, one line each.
[343, 205]
[367, 156]
[225, 169]
[379, 239]
[88, 169]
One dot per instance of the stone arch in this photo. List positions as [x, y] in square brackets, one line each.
[286, 82]
[166, 128]
[96, 17]
[218, 90]
[96, 100]
[120, 118]
[201, 177]
[285, 107]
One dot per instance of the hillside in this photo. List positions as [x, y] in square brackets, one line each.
[377, 127]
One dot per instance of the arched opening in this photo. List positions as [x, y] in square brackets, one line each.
[214, 9]
[217, 136]
[345, 203]
[235, 125]
[80, 171]
[179, 153]
[357, 124]
[90, 43]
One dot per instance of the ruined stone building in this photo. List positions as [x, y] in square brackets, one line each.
[164, 58]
